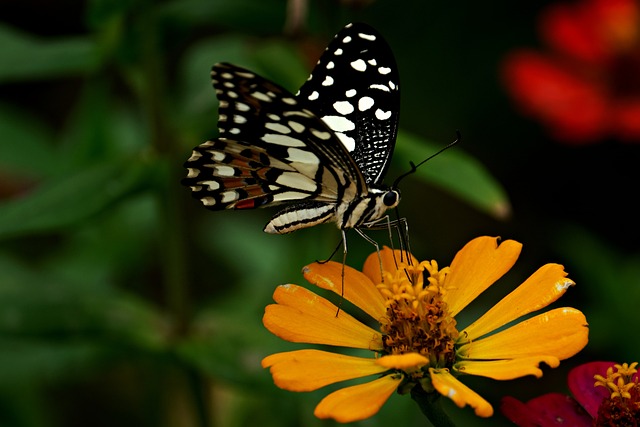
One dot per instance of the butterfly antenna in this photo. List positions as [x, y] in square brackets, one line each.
[415, 167]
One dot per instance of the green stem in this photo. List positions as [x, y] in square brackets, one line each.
[431, 406]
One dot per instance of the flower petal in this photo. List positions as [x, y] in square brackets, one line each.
[302, 316]
[574, 108]
[561, 333]
[476, 267]
[551, 409]
[358, 289]
[390, 260]
[447, 385]
[405, 361]
[358, 402]
[507, 369]
[307, 370]
[581, 382]
[541, 289]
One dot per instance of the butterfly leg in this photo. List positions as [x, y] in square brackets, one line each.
[375, 244]
[340, 243]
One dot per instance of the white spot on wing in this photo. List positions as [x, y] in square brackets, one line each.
[261, 96]
[208, 201]
[359, 65]
[346, 39]
[211, 185]
[192, 173]
[372, 62]
[296, 126]
[338, 52]
[195, 155]
[222, 170]
[218, 156]
[314, 95]
[384, 70]
[365, 103]
[348, 142]
[328, 81]
[382, 115]
[338, 123]
[285, 140]
[297, 181]
[369, 37]
[351, 93]
[343, 107]
[278, 127]
[380, 87]
[301, 156]
[239, 119]
[229, 196]
[321, 134]
[240, 106]
[330, 65]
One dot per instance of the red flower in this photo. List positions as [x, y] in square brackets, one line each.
[604, 394]
[588, 86]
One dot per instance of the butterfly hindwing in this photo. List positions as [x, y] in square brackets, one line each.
[270, 150]
[354, 88]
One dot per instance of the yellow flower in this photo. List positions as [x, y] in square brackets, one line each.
[415, 341]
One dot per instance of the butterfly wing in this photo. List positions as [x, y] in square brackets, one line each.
[354, 89]
[271, 150]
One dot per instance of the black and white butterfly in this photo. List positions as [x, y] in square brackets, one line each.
[322, 153]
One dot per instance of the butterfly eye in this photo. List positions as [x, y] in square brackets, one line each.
[391, 198]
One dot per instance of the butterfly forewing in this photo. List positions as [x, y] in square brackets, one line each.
[270, 151]
[354, 88]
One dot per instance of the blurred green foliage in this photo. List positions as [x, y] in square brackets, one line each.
[123, 302]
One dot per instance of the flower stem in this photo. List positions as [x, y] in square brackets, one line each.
[431, 406]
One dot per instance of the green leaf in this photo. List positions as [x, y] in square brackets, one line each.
[24, 57]
[456, 172]
[69, 199]
[27, 145]
[37, 305]
[245, 15]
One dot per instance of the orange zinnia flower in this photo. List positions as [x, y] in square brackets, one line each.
[416, 344]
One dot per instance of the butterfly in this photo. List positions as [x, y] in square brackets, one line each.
[321, 154]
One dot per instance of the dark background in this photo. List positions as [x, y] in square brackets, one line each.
[122, 301]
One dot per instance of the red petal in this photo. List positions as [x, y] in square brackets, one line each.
[575, 109]
[581, 384]
[548, 410]
[571, 30]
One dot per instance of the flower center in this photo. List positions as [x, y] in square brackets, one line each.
[622, 407]
[418, 319]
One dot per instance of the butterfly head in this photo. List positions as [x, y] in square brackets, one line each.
[391, 198]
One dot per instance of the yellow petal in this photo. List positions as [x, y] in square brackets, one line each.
[358, 402]
[507, 369]
[358, 289]
[476, 267]
[560, 333]
[302, 316]
[447, 385]
[390, 260]
[541, 289]
[403, 361]
[307, 370]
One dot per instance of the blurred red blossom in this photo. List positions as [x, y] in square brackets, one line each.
[604, 394]
[587, 85]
